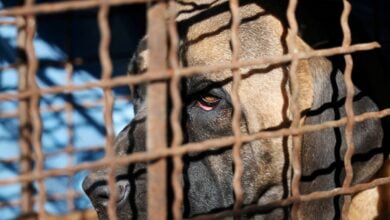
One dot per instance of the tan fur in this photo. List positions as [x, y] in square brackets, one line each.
[265, 98]
[262, 93]
[372, 203]
[261, 111]
[305, 85]
[363, 206]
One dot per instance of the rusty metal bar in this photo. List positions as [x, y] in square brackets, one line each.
[77, 61]
[264, 60]
[218, 143]
[348, 107]
[104, 56]
[70, 149]
[49, 8]
[32, 67]
[24, 125]
[60, 107]
[156, 124]
[54, 197]
[175, 118]
[157, 108]
[303, 198]
[277, 203]
[55, 153]
[296, 112]
[9, 66]
[69, 108]
[8, 22]
[236, 121]
[156, 74]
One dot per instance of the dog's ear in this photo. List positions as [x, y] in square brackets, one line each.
[139, 62]
[138, 65]
[323, 151]
[304, 75]
[305, 89]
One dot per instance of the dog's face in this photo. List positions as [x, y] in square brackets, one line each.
[207, 113]
[209, 109]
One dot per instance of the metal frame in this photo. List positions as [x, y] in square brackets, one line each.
[29, 111]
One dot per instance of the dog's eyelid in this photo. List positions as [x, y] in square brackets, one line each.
[198, 85]
[209, 98]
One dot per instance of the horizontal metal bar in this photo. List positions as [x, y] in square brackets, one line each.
[50, 8]
[167, 73]
[194, 147]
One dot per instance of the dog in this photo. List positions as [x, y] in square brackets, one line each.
[265, 97]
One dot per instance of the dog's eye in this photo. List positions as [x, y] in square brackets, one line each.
[207, 102]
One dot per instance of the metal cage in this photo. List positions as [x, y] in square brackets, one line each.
[159, 25]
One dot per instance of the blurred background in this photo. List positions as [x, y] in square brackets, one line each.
[71, 37]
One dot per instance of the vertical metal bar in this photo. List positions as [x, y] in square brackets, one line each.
[69, 108]
[156, 107]
[24, 121]
[296, 139]
[237, 160]
[176, 112]
[348, 107]
[70, 194]
[32, 67]
[104, 56]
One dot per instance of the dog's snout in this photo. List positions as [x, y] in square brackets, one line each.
[99, 192]
[123, 190]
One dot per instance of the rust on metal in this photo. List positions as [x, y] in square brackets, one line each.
[175, 116]
[348, 107]
[162, 31]
[236, 121]
[55, 7]
[70, 148]
[106, 64]
[296, 112]
[70, 123]
[156, 124]
[34, 104]
[25, 125]
[167, 73]
[8, 22]
[62, 107]
[303, 198]
[217, 143]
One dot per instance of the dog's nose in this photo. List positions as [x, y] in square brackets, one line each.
[99, 193]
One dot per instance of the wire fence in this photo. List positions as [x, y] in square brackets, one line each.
[159, 26]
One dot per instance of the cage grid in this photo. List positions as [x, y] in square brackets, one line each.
[161, 30]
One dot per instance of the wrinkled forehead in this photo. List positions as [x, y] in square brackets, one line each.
[208, 40]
